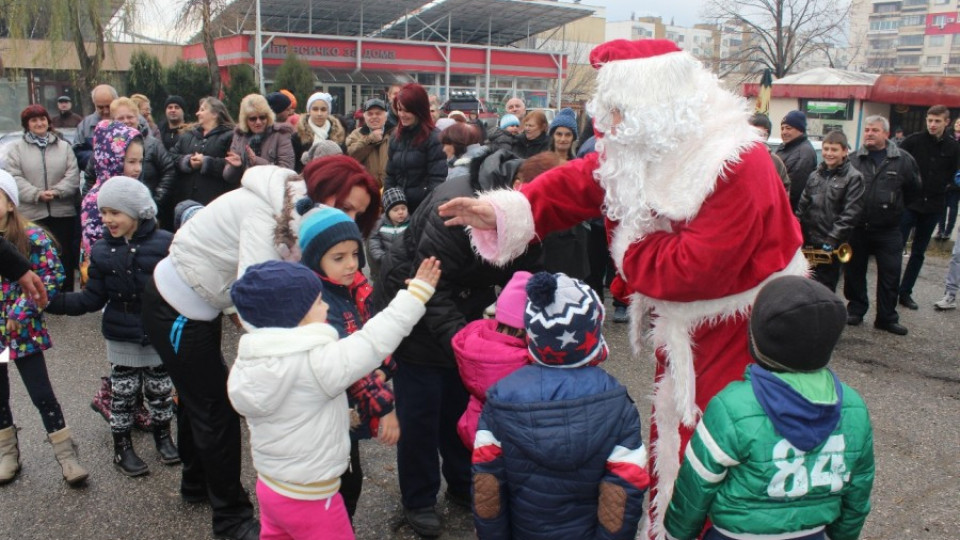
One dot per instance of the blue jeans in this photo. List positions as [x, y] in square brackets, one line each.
[923, 225]
[949, 218]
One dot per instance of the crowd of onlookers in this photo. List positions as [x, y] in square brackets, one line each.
[104, 209]
[872, 201]
[158, 219]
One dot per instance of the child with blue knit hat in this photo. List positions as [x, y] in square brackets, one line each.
[288, 382]
[558, 446]
[503, 137]
[331, 245]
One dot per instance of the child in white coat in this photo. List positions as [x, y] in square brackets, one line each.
[289, 382]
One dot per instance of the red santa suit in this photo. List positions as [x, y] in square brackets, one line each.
[718, 227]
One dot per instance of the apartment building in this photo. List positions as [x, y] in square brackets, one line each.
[906, 36]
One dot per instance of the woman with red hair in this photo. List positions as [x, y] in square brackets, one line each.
[416, 162]
[343, 183]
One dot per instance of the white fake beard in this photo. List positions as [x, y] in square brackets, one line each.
[630, 158]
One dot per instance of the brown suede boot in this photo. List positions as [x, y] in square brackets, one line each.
[66, 452]
[9, 455]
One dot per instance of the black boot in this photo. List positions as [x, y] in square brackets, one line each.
[125, 458]
[165, 447]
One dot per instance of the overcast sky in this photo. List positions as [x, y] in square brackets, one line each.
[683, 12]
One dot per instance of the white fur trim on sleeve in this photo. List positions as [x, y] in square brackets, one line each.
[515, 228]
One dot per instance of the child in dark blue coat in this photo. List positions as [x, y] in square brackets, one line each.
[121, 264]
[558, 452]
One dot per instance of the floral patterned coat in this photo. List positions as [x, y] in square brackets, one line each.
[32, 336]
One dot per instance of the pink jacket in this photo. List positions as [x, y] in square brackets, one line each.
[484, 356]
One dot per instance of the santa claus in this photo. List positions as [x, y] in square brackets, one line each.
[697, 218]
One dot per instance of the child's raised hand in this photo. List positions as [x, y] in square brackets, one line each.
[429, 271]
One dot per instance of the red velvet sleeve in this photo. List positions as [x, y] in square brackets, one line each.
[563, 197]
[743, 233]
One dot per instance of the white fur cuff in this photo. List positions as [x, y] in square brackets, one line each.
[515, 228]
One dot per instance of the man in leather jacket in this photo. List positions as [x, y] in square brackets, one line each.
[891, 182]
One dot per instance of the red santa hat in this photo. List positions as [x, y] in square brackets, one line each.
[625, 49]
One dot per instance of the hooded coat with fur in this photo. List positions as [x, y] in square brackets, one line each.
[255, 223]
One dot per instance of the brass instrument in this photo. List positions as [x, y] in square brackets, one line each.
[816, 257]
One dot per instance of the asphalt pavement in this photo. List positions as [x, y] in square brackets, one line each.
[911, 385]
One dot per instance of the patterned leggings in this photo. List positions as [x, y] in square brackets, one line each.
[126, 383]
[33, 372]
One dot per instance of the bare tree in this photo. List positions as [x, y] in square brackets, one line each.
[780, 33]
[205, 10]
[77, 21]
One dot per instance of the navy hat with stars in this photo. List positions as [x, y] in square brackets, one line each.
[563, 320]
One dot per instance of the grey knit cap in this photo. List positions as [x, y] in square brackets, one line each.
[321, 149]
[128, 196]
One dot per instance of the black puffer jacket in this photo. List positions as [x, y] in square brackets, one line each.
[801, 160]
[501, 140]
[887, 188]
[831, 205]
[937, 161]
[207, 183]
[119, 271]
[415, 168]
[524, 147]
[159, 172]
[466, 286]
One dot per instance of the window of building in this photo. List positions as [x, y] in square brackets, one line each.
[941, 2]
[939, 21]
[885, 24]
[833, 110]
[908, 60]
[934, 61]
[911, 41]
[913, 3]
[911, 20]
[935, 41]
[880, 64]
[892, 6]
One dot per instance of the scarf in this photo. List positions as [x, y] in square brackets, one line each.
[42, 142]
[320, 133]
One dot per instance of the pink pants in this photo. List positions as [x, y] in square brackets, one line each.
[283, 518]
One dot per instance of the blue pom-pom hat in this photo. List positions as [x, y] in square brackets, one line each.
[563, 320]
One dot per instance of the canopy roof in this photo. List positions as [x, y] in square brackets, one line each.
[482, 22]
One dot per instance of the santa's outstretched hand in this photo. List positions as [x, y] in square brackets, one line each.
[469, 213]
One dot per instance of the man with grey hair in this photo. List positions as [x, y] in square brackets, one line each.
[102, 96]
[891, 181]
[516, 107]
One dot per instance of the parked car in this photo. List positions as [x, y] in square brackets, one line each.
[469, 102]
